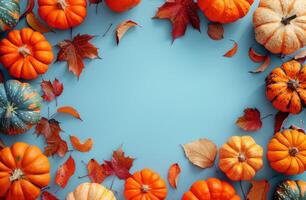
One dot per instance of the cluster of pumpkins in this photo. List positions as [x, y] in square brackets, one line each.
[279, 25]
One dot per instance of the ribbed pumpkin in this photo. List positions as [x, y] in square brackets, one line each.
[290, 190]
[225, 11]
[25, 53]
[62, 14]
[24, 170]
[280, 25]
[9, 15]
[145, 184]
[240, 158]
[121, 5]
[91, 191]
[19, 107]
[287, 152]
[286, 87]
[211, 189]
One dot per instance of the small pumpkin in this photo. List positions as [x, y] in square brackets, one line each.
[290, 189]
[24, 170]
[240, 158]
[287, 152]
[25, 53]
[91, 191]
[121, 5]
[211, 189]
[10, 13]
[286, 87]
[145, 184]
[20, 107]
[281, 25]
[62, 14]
[225, 11]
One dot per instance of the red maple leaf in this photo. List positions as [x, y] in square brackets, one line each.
[180, 13]
[64, 172]
[48, 196]
[48, 127]
[75, 51]
[96, 172]
[280, 117]
[51, 90]
[56, 145]
[250, 121]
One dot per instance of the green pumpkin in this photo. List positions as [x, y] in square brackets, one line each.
[290, 190]
[9, 14]
[19, 107]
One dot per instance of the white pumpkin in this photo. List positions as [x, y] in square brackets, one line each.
[280, 25]
[91, 191]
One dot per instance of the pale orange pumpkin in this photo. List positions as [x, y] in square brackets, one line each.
[91, 191]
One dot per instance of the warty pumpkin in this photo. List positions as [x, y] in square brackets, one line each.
[24, 170]
[9, 15]
[25, 53]
[286, 87]
[289, 190]
[62, 14]
[240, 158]
[91, 191]
[20, 107]
[225, 11]
[211, 189]
[145, 184]
[287, 152]
[281, 25]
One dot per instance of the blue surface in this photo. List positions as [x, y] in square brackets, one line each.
[152, 96]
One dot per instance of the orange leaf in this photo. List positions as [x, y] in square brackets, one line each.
[264, 66]
[173, 174]
[70, 111]
[215, 31]
[35, 24]
[85, 147]
[64, 172]
[29, 8]
[123, 28]
[250, 121]
[232, 51]
[256, 57]
[96, 171]
[259, 190]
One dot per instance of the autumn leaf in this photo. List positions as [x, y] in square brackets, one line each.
[232, 51]
[64, 172]
[123, 28]
[250, 121]
[48, 127]
[82, 147]
[2, 79]
[301, 57]
[180, 13]
[173, 174]
[259, 190]
[201, 153]
[56, 145]
[36, 24]
[70, 111]
[48, 196]
[96, 172]
[51, 90]
[95, 1]
[29, 8]
[264, 66]
[75, 51]
[280, 117]
[215, 31]
[2, 145]
[256, 57]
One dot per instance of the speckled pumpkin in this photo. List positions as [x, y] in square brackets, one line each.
[91, 191]
[290, 190]
[9, 15]
[19, 107]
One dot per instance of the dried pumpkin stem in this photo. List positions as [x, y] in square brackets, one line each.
[62, 3]
[9, 110]
[145, 188]
[293, 84]
[24, 50]
[17, 174]
[293, 151]
[241, 157]
[287, 20]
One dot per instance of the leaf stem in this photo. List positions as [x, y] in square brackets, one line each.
[107, 30]
[264, 117]
[112, 184]
[242, 190]
[80, 177]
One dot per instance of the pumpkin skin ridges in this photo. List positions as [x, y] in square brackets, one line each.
[121, 5]
[290, 189]
[9, 15]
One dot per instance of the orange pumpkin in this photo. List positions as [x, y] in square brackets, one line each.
[145, 184]
[24, 170]
[62, 14]
[211, 189]
[121, 5]
[25, 53]
[240, 158]
[286, 87]
[225, 11]
[287, 152]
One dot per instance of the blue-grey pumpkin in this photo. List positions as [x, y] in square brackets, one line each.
[290, 190]
[20, 107]
[9, 14]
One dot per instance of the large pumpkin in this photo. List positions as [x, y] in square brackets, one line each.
[281, 25]
[24, 170]
[145, 184]
[211, 189]
[19, 107]
[290, 190]
[287, 152]
[286, 87]
[25, 53]
[91, 191]
[240, 158]
[225, 11]
[10, 13]
[121, 5]
[62, 14]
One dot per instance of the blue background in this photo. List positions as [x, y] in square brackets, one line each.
[152, 96]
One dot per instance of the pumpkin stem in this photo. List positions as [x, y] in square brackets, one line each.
[62, 4]
[17, 174]
[145, 188]
[293, 151]
[24, 50]
[286, 20]
[241, 157]
[293, 84]
[9, 110]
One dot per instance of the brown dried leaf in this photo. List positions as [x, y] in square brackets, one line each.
[232, 51]
[37, 25]
[173, 174]
[123, 28]
[301, 57]
[264, 66]
[259, 190]
[215, 31]
[280, 117]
